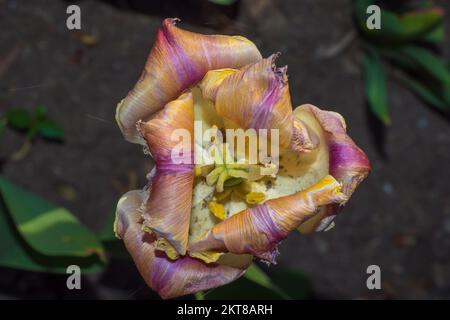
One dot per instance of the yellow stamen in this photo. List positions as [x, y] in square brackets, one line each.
[217, 209]
[198, 171]
[255, 197]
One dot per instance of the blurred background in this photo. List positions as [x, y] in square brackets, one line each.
[59, 141]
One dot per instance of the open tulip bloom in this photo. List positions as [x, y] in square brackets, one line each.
[236, 169]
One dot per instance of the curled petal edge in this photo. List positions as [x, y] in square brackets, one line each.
[167, 211]
[258, 230]
[169, 278]
[348, 163]
[177, 60]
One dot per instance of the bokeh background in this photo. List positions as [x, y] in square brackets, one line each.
[398, 219]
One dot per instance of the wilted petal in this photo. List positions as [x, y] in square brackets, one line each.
[167, 211]
[257, 96]
[177, 60]
[303, 138]
[258, 230]
[348, 163]
[169, 278]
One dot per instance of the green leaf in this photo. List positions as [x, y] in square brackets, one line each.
[50, 130]
[3, 123]
[113, 246]
[47, 229]
[436, 35]
[427, 62]
[241, 289]
[16, 253]
[257, 275]
[200, 295]
[40, 113]
[107, 232]
[375, 83]
[398, 27]
[294, 284]
[256, 284]
[223, 2]
[426, 94]
[19, 119]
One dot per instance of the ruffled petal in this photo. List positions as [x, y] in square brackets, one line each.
[257, 97]
[258, 230]
[303, 137]
[169, 278]
[167, 211]
[177, 60]
[348, 163]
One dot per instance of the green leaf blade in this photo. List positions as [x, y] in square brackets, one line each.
[50, 130]
[16, 253]
[49, 230]
[398, 28]
[428, 62]
[223, 2]
[19, 119]
[375, 85]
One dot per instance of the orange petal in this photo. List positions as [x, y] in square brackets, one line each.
[178, 60]
[348, 163]
[257, 96]
[170, 278]
[167, 211]
[258, 230]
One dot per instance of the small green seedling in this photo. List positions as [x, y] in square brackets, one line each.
[34, 124]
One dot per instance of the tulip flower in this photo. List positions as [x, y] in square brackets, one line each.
[198, 225]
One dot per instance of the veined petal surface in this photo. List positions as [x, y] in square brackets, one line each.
[257, 97]
[259, 229]
[170, 278]
[167, 211]
[348, 163]
[178, 59]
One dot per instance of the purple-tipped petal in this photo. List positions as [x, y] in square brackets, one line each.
[170, 278]
[258, 230]
[348, 163]
[257, 97]
[178, 60]
[167, 211]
